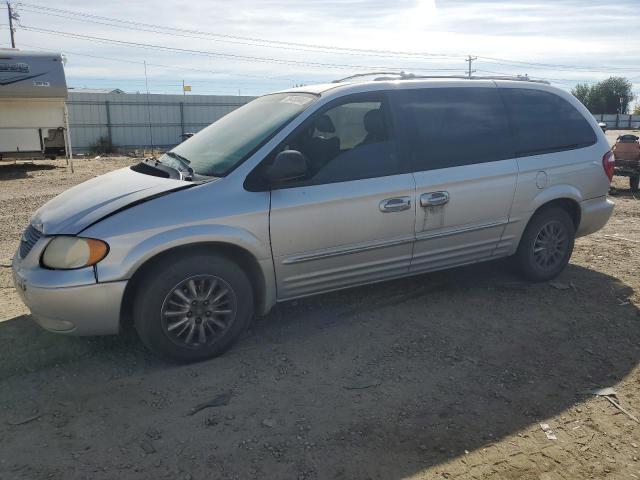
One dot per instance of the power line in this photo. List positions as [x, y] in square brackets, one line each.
[271, 43]
[215, 37]
[260, 42]
[174, 67]
[559, 67]
[263, 77]
[225, 55]
[289, 45]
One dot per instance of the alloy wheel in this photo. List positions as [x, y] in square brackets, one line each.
[198, 311]
[550, 245]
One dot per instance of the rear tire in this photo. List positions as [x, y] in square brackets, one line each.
[633, 183]
[546, 244]
[193, 308]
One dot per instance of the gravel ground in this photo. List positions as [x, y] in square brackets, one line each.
[446, 375]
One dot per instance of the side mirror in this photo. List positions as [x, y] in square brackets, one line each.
[288, 165]
[603, 126]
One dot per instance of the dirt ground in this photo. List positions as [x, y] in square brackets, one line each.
[446, 375]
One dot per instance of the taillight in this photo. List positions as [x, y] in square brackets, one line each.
[608, 163]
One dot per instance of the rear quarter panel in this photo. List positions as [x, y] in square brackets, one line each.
[572, 174]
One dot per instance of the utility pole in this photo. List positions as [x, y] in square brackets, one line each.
[11, 29]
[469, 60]
[146, 81]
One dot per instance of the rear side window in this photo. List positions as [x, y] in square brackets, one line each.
[448, 127]
[544, 122]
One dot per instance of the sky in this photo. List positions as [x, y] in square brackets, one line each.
[252, 47]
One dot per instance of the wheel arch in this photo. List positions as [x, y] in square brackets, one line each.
[570, 205]
[565, 196]
[242, 257]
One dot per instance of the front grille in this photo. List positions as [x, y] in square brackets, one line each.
[29, 239]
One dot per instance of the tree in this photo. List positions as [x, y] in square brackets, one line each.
[636, 110]
[582, 92]
[613, 95]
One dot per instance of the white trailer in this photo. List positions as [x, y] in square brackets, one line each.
[33, 114]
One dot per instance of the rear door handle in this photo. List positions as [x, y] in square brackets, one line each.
[433, 199]
[396, 204]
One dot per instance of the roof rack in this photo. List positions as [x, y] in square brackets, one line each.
[368, 74]
[411, 76]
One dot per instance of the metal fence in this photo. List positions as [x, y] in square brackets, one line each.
[619, 121]
[132, 121]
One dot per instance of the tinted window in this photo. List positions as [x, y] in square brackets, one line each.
[349, 141]
[544, 122]
[446, 127]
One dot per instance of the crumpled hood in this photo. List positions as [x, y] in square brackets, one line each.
[77, 208]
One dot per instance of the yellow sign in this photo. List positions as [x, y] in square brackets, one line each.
[186, 88]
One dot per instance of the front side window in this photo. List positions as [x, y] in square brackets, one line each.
[544, 122]
[448, 127]
[221, 146]
[349, 141]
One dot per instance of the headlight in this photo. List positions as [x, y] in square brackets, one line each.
[67, 253]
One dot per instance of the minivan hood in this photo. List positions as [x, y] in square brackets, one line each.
[75, 209]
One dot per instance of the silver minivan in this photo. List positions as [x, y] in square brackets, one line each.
[316, 189]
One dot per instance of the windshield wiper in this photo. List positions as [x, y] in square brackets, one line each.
[185, 163]
[168, 170]
[180, 158]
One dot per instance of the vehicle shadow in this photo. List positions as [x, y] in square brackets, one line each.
[15, 171]
[624, 193]
[385, 380]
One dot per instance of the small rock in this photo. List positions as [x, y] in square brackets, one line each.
[210, 421]
[147, 447]
[560, 285]
[269, 422]
[153, 433]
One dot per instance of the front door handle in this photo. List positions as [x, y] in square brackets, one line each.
[433, 199]
[396, 204]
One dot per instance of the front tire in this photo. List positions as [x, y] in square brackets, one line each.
[193, 308]
[633, 183]
[546, 244]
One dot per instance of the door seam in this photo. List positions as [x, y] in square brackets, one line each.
[415, 220]
[273, 262]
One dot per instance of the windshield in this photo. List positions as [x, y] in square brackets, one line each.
[221, 146]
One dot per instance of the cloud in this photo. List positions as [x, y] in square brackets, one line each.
[588, 39]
